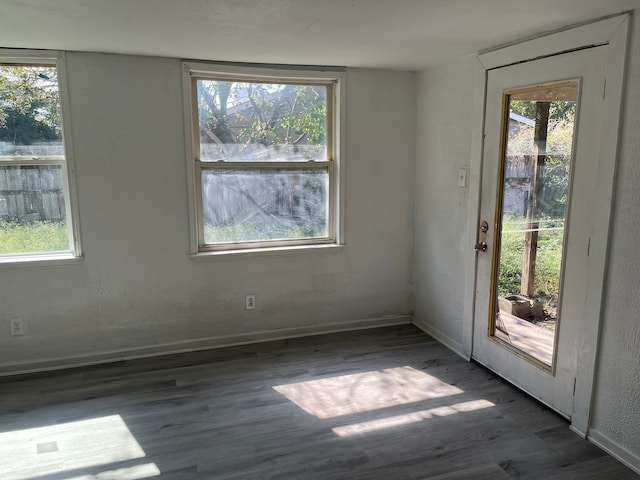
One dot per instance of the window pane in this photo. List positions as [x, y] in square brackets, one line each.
[32, 210]
[29, 111]
[241, 205]
[244, 121]
[32, 197]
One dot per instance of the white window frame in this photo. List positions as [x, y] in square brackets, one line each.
[57, 60]
[334, 80]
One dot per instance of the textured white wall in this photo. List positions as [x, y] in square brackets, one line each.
[616, 413]
[444, 127]
[137, 290]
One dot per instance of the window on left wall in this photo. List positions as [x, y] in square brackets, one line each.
[36, 221]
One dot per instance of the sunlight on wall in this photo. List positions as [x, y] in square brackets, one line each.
[361, 392]
[70, 447]
[412, 417]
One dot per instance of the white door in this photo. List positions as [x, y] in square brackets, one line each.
[542, 126]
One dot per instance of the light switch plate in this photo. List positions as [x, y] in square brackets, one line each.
[462, 176]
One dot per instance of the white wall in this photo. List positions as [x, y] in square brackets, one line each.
[616, 411]
[136, 291]
[444, 125]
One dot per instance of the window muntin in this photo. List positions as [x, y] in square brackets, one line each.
[35, 217]
[264, 160]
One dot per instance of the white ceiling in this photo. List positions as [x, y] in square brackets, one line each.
[395, 34]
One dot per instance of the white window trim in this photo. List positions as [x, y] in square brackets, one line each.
[291, 74]
[42, 57]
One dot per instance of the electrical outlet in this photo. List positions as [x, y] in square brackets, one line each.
[17, 327]
[250, 302]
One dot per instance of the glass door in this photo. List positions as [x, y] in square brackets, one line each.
[540, 160]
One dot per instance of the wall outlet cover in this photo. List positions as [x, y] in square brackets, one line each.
[250, 302]
[17, 326]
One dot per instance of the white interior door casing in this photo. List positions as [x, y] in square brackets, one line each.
[600, 71]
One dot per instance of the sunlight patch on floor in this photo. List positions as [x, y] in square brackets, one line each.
[137, 472]
[413, 417]
[70, 447]
[362, 392]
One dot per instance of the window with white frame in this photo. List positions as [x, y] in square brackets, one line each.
[35, 209]
[264, 157]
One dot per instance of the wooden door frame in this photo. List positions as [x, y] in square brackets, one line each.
[611, 32]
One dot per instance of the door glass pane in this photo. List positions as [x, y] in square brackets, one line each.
[539, 132]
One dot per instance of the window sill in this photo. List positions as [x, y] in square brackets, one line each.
[270, 251]
[42, 260]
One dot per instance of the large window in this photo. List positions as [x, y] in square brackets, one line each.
[35, 210]
[264, 162]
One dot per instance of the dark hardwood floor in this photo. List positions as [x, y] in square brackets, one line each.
[388, 403]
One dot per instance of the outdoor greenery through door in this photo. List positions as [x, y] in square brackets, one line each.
[539, 128]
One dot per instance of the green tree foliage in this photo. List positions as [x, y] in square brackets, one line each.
[559, 148]
[29, 105]
[262, 113]
[558, 110]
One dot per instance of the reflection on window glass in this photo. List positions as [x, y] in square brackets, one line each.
[32, 188]
[264, 204]
[536, 168]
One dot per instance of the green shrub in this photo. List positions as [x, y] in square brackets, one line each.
[34, 237]
[548, 259]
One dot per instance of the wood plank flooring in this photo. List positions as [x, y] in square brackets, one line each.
[387, 403]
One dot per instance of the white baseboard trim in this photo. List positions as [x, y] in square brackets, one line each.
[578, 432]
[631, 460]
[18, 368]
[444, 339]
